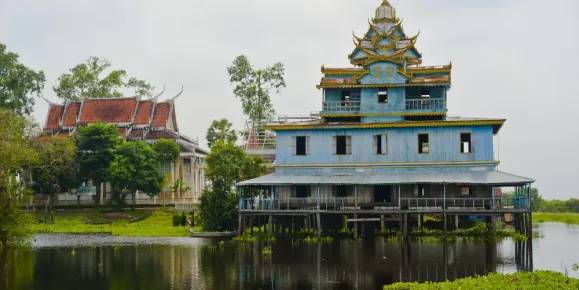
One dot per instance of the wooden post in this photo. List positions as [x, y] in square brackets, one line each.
[530, 226]
[444, 223]
[270, 225]
[356, 196]
[493, 224]
[355, 226]
[251, 225]
[444, 198]
[239, 226]
[419, 219]
[381, 222]
[456, 222]
[405, 226]
[318, 219]
[399, 198]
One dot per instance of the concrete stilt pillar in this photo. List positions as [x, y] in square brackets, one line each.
[493, 224]
[270, 225]
[319, 221]
[355, 227]
[239, 224]
[530, 226]
[381, 222]
[405, 226]
[444, 224]
[251, 225]
[419, 219]
[456, 226]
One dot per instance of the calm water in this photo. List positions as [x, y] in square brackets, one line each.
[102, 262]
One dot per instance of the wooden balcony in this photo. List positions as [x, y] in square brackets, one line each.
[338, 107]
[426, 104]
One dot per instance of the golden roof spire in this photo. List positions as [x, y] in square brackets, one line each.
[385, 3]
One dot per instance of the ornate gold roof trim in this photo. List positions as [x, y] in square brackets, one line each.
[352, 86]
[400, 114]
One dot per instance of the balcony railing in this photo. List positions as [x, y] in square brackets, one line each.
[341, 106]
[425, 104]
[350, 203]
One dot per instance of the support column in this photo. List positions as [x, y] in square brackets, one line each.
[399, 198]
[456, 226]
[270, 225]
[444, 224]
[239, 224]
[319, 221]
[530, 227]
[355, 226]
[419, 219]
[381, 222]
[356, 196]
[405, 226]
[493, 224]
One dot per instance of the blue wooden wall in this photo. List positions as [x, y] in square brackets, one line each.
[402, 145]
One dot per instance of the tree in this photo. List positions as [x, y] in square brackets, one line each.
[18, 83]
[253, 87]
[227, 164]
[57, 169]
[85, 81]
[167, 150]
[180, 187]
[536, 199]
[220, 130]
[15, 157]
[134, 167]
[95, 151]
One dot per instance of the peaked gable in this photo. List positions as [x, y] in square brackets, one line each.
[119, 110]
[54, 116]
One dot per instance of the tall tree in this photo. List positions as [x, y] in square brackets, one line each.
[220, 130]
[135, 168]
[95, 146]
[226, 165]
[85, 80]
[253, 87]
[57, 169]
[19, 85]
[167, 150]
[15, 157]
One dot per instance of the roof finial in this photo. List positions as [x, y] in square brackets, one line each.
[155, 97]
[49, 102]
[386, 3]
[173, 98]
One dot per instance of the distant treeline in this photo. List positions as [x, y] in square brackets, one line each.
[543, 205]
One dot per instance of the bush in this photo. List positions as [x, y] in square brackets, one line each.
[176, 220]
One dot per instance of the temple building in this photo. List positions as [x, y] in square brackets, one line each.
[383, 146]
[136, 119]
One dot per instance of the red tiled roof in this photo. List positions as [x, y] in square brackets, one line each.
[143, 112]
[54, 115]
[108, 110]
[123, 131]
[161, 114]
[70, 114]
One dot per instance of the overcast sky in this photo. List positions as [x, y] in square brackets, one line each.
[513, 59]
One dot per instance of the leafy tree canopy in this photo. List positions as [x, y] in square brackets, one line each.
[135, 167]
[57, 169]
[253, 87]
[227, 164]
[95, 151]
[18, 83]
[16, 156]
[220, 130]
[167, 150]
[86, 80]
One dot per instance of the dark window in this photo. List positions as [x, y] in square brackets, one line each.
[382, 193]
[342, 145]
[301, 145]
[420, 190]
[303, 191]
[381, 144]
[465, 143]
[425, 93]
[345, 97]
[383, 96]
[423, 144]
[343, 190]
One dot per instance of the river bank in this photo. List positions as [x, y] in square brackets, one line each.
[566, 218]
[521, 280]
[138, 223]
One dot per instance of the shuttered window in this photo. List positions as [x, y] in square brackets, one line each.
[342, 145]
[300, 145]
[381, 144]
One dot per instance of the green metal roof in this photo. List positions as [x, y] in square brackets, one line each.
[373, 178]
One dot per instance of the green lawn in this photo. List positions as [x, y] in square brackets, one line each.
[523, 280]
[567, 218]
[159, 224]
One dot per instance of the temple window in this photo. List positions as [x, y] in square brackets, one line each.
[465, 143]
[342, 145]
[300, 145]
[383, 96]
[381, 144]
[423, 144]
[425, 93]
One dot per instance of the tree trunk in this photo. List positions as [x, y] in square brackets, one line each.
[98, 194]
[3, 265]
[134, 194]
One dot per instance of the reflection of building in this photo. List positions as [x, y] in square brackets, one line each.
[137, 119]
[383, 143]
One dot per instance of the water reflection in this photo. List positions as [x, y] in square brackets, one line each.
[119, 263]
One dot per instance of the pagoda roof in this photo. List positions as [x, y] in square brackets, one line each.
[54, 115]
[144, 111]
[114, 110]
[71, 114]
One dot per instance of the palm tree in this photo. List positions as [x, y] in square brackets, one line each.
[220, 130]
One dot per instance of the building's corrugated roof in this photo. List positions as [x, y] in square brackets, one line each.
[475, 177]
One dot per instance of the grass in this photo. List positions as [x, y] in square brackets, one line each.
[159, 224]
[567, 218]
[522, 280]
